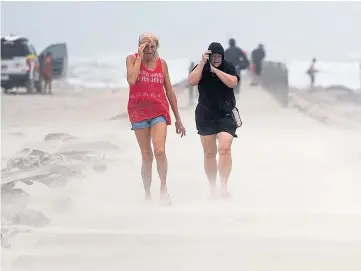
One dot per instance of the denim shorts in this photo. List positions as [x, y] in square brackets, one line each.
[148, 123]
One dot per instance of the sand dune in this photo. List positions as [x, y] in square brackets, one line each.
[72, 196]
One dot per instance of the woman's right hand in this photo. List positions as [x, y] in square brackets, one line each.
[205, 56]
[141, 50]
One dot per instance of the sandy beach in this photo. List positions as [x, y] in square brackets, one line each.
[72, 195]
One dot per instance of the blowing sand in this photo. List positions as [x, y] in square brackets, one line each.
[72, 196]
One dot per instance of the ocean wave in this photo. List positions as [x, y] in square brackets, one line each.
[109, 71]
[345, 74]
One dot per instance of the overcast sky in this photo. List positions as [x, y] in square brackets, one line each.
[288, 29]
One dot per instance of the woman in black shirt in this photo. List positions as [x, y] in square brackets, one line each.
[216, 114]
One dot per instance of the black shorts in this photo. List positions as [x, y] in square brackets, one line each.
[210, 123]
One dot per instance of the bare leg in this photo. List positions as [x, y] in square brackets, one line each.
[50, 86]
[159, 135]
[143, 137]
[45, 85]
[210, 159]
[225, 160]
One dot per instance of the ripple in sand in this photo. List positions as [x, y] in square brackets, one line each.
[119, 116]
[17, 134]
[72, 160]
[59, 136]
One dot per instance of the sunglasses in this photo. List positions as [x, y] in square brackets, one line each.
[216, 56]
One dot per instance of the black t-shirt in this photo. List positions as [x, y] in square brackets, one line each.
[213, 93]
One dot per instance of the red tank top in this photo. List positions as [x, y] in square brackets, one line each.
[147, 98]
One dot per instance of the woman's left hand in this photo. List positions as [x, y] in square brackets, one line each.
[213, 69]
[180, 128]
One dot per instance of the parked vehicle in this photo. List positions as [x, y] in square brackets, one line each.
[21, 66]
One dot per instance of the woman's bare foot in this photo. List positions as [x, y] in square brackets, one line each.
[213, 193]
[164, 196]
[148, 196]
[224, 192]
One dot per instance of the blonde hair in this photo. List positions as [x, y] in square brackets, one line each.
[153, 38]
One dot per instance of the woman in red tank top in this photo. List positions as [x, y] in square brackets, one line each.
[148, 109]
